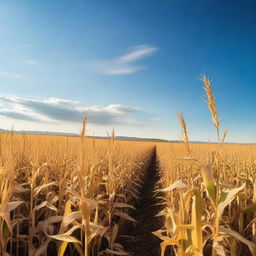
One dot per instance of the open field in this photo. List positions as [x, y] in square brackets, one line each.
[78, 196]
[57, 191]
[63, 195]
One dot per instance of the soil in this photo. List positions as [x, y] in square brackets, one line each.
[143, 242]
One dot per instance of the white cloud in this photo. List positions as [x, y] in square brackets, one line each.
[138, 53]
[10, 75]
[125, 63]
[60, 110]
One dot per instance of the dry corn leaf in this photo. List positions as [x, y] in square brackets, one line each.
[179, 184]
[196, 233]
[229, 197]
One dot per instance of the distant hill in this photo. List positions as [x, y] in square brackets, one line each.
[40, 132]
[75, 134]
[140, 139]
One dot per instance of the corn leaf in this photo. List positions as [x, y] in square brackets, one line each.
[196, 233]
[228, 198]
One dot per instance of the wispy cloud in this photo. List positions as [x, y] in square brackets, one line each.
[17, 115]
[125, 64]
[32, 62]
[11, 75]
[56, 110]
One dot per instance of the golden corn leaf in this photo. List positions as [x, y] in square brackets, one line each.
[196, 233]
[181, 228]
[38, 189]
[62, 248]
[228, 198]
[177, 184]
[77, 215]
[13, 205]
[207, 175]
[63, 245]
[186, 199]
[168, 241]
[66, 237]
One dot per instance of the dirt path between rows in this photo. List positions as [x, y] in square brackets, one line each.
[144, 243]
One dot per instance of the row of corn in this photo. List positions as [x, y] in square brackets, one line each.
[210, 194]
[67, 195]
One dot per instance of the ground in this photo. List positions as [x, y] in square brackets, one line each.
[143, 242]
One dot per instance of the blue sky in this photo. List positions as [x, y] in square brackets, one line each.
[131, 65]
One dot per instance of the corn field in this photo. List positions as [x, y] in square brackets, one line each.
[63, 195]
[67, 196]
